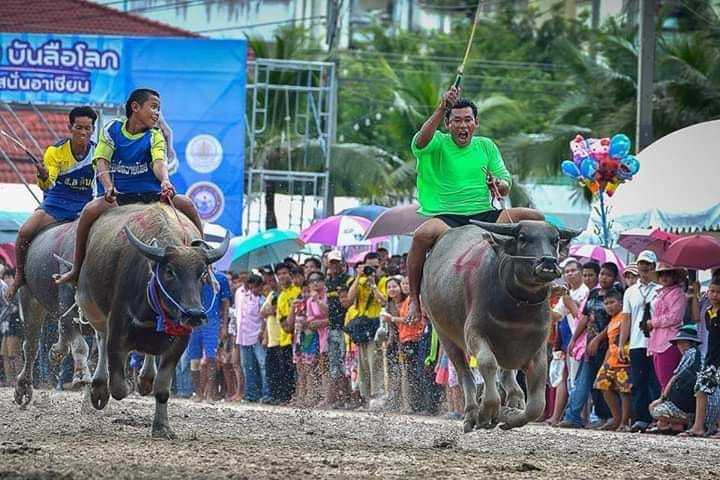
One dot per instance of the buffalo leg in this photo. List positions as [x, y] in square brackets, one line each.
[515, 398]
[100, 394]
[536, 375]
[487, 364]
[146, 377]
[80, 353]
[33, 316]
[465, 376]
[161, 388]
[117, 352]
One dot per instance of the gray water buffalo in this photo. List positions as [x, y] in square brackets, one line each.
[42, 300]
[143, 261]
[486, 290]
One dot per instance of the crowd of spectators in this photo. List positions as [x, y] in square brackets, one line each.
[633, 353]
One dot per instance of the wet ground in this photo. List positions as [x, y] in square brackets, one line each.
[56, 438]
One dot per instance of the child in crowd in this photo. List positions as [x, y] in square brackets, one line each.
[303, 347]
[676, 403]
[613, 378]
[707, 387]
[316, 327]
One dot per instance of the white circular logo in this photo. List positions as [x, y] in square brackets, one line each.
[208, 199]
[204, 153]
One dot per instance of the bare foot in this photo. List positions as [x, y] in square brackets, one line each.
[67, 277]
[610, 426]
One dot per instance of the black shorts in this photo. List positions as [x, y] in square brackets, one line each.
[455, 221]
[141, 197]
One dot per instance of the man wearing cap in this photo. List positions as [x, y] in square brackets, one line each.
[630, 275]
[637, 310]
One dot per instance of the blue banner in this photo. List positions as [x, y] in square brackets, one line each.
[202, 92]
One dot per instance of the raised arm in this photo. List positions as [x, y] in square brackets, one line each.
[422, 139]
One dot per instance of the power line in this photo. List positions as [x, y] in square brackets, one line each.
[255, 25]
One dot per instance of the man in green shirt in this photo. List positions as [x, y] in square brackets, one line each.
[452, 186]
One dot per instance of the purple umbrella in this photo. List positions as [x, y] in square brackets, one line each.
[339, 231]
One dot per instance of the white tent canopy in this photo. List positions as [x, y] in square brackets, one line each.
[678, 186]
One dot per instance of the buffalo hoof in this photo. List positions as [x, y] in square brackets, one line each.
[163, 432]
[512, 418]
[81, 378]
[516, 402]
[144, 385]
[23, 392]
[489, 413]
[57, 353]
[99, 394]
[120, 388]
[472, 419]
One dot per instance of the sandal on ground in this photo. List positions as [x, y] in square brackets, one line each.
[659, 431]
[690, 434]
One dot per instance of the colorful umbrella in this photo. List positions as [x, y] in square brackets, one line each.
[371, 212]
[264, 248]
[402, 220]
[638, 239]
[338, 230]
[697, 252]
[597, 253]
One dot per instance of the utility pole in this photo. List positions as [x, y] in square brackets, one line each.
[646, 70]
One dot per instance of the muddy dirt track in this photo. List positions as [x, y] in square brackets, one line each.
[55, 439]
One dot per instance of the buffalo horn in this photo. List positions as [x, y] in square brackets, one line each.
[154, 253]
[568, 233]
[200, 243]
[507, 229]
[215, 254]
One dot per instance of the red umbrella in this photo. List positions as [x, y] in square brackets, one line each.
[697, 252]
[638, 239]
[402, 220]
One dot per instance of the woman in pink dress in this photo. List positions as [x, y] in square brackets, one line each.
[667, 318]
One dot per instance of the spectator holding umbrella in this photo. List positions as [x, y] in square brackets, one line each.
[667, 318]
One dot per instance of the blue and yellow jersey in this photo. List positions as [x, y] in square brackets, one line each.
[131, 157]
[69, 185]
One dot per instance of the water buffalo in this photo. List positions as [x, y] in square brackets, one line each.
[143, 261]
[42, 300]
[485, 290]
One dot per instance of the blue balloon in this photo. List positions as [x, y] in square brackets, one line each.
[588, 167]
[632, 163]
[619, 146]
[570, 169]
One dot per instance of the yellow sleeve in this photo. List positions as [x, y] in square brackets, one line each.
[157, 145]
[105, 147]
[50, 160]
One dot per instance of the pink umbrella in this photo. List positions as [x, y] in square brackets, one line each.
[339, 231]
[697, 252]
[597, 253]
[638, 239]
[402, 220]
[7, 253]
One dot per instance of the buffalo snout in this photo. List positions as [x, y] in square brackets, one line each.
[195, 317]
[547, 268]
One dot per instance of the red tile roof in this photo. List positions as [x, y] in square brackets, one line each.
[79, 16]
[37, 129]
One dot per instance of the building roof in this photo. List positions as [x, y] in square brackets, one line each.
[66, 17]
[79, 16]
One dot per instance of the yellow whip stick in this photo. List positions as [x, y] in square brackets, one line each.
[461, 68]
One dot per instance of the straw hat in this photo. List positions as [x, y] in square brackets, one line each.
[666, 267]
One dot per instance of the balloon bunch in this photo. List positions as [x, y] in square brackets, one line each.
[601, 164]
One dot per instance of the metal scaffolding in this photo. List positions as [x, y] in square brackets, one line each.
[291, 111]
